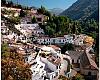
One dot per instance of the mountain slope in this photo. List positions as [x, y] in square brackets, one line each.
[95, 15]
[82, 9]
[56, 11]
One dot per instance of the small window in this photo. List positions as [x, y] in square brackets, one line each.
[57, 67]
[2, 30]
[78, 61]
[1, 24]
[39, 19]
[23, 38]
[72, 60]
[89, 73]
[41, 67]
[80, 41]
[68, 75]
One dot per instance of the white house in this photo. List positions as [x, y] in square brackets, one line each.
[16, 14]
[44, 40]
[13, 9]
[29, 29]
[79, 39]
[39, 18]
[4, 28]
[74, 39]
[30, 25]
[69, 38]
[26, 26]
[34, 11]
[26, 20]
[11, 37]
[48, 66]
[38, 31]
[57, 40]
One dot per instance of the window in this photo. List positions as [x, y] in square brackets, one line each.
[2, 30]
[56, 73]
[1, 24]
[44, 40]
[57, 67]
[39, 19]
[41, 67]
[68, 75]
[78, 61]
[77, 36]
[23, 38]
[89, 73]
[72, 60]
[80, 41]
[54, 40]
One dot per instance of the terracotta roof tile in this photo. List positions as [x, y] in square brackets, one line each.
[86, 60]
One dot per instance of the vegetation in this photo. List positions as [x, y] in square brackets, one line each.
[9, 3]
[22, 13]
[78, 77]
[12, 65]
[61, 77]
[60, 25]
[15, 19]
[34, 20]
[83, 10]
[90, 27]
[10, 24]
[41, 10]
[66, 47]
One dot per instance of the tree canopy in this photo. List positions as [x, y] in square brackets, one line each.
[13, 66]
[34, 20]
[22, 13]
[66, 47]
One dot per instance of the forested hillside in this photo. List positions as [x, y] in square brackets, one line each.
[82, 9]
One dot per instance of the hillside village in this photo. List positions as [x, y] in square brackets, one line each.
[43, 52]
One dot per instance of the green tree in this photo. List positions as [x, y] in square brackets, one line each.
[3, 2]
[13, 66]
[34, 20]
[49, 31]
[66, 47]
[41, 10]
[22, 13]
[4, 48]
[69, 28]
[61, 77]
[47, 13]
[75, 28]
[79, 77]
